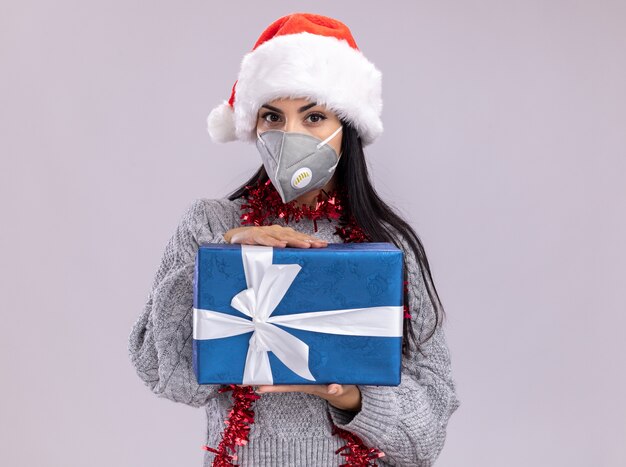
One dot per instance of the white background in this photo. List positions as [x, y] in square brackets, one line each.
[504, 146]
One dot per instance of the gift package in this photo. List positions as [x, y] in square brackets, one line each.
[266, 315]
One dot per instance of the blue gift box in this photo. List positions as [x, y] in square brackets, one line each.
[267, 315]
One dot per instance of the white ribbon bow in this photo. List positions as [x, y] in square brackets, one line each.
[267, 284]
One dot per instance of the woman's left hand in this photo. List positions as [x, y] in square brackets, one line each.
[345, 397]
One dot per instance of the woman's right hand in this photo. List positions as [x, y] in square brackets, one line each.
[272, 235]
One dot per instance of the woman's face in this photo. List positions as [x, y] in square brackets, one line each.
[300, 116]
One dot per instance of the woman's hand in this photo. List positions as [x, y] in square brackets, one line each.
[345, 397]
[272, 235]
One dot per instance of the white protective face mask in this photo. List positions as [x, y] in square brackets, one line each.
[297, 163]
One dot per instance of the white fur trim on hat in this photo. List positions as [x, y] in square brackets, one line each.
[221, 123]
[323, 69]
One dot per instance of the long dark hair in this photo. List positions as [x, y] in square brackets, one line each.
[371, 214]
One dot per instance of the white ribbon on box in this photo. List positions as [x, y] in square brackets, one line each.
[267, 284]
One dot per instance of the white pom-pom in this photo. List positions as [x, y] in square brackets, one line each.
[221, 123]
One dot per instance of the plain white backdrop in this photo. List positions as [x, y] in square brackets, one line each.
[504, 146]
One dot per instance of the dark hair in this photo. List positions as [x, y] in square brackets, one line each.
[371, 214]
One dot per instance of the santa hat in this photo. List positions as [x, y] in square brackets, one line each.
[302, 55]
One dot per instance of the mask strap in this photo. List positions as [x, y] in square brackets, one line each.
[330, 137]
[333, 167]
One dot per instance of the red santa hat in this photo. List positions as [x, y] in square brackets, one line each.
[302, 55]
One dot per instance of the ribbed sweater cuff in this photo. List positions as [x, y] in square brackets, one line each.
[378, 406]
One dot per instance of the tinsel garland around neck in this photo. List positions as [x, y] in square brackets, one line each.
[264, 205]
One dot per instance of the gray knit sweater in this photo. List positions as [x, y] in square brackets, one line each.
[408, 423]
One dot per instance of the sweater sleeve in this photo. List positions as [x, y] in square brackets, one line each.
[160, 342]
[408, 422]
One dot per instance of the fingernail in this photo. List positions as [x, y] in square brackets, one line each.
[332, 390]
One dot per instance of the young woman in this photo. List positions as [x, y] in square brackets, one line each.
[310, 101]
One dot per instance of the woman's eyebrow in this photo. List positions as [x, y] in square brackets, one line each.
[271, 107]
[300, 110]
[307, 107]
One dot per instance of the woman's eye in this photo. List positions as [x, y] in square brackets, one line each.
[315, 118]
[271, 117]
